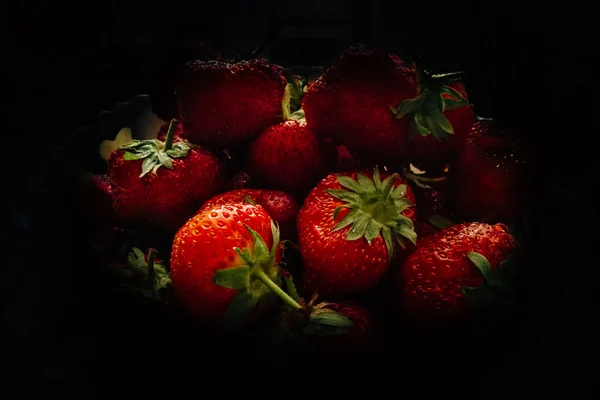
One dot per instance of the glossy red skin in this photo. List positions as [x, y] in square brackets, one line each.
[432, 276]
[281, 206]
[351, 102]
[359, 337]
[486, 186]
[206, 244]
[431, 154]
[168, 198]
[221, 104]
[332, 264]
[287, 156]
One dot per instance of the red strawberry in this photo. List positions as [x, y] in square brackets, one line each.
[281, 206]
[224, 103]
[351, 101]
[93, 199]
[221, 259]
[489, 179]
[162, 183]
[348, 229]
[430, 147]
[456, 265]
[287, 156]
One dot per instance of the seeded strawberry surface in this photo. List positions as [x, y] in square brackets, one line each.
[433, 276]
[333, 264]
[206, 244]
[225, 103]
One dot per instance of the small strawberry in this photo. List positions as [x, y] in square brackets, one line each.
[489, 179]
[162, 183]
[287, 156]
[223, 261]
[349, 227]
[281, 206]
[455, 267]
[223, 103]
[350, 103]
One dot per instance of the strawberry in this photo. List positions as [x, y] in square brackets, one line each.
[287, 156]
[223, 103]
[349, 227]
[223, 261]
[455, 267]
[162, 183]
[350, 103]
[280, 206]
[440, 124]
[489, 178]
[93, 197]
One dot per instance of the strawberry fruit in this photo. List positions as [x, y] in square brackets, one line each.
[457, 267]
[349, 228]
[222, 103]
[162, 183]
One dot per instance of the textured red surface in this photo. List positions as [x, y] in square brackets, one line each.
[332, 264]
[206, 244]
[432, 276]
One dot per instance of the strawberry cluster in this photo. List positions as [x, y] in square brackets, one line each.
[278, 202]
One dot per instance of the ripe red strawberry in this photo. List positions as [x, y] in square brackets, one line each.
[454, 267]
[289, 157]
[489, 179]
[349, 227]
[350, 102]
[223, 103]
[162, 183]
[432, 146]
[224, 260]
[281, 206]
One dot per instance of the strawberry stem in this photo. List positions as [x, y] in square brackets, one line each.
[260, 274]
[170, 134]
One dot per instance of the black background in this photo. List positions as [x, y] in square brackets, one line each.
[65, 61]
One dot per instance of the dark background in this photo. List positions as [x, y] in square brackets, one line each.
[65, 61]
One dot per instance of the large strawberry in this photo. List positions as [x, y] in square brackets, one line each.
[349, 228]
[457, 267]
[489, 180]
[162, 183]
[222, 103]
[350, 102]
[281, 206]
[441, 119]
[224, 260]
[287, 156]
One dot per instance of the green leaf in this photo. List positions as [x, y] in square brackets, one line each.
[399, 192]
[348, 183]
[420, 123]
[435, 129]
[244, 255]
[336, 211]
[130, 156]
[440, 222]
[402, 204]
[478, 296]
[377, 179]
[483, 265]
[408, 233]
[366, 183]
[345, 195]
[178, 150]
[233, 278]
[249, 200]
[332, 318]
[388, 238]
[239, 309]
[131, 144]
[291, 288]
[408, 106]
[297, 115]
[347, 220]
[372, 231]
[149, 164]
[260, 247]
[276, 238]
[441, 121]
[388, 184]
[165, 160]
[359, 227]
[404, 220]
[456, 100]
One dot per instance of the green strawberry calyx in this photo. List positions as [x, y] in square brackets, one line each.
[375, 209]
[427, 109]
[256, 276]
[291, 106]
[499, 288]
[147, 278]
[156, 153]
